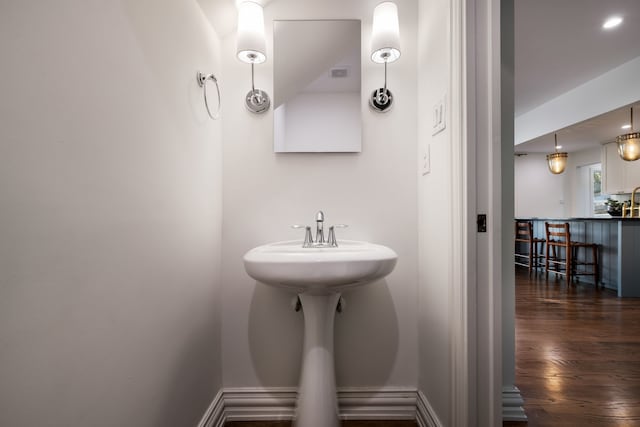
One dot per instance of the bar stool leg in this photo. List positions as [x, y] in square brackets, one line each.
[539, 255]
[570, 251]
[596, 264]
[546, 262]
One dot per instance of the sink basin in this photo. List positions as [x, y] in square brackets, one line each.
[318, 275]
[320, 270]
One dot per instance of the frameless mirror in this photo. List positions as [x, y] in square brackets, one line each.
[317, 103]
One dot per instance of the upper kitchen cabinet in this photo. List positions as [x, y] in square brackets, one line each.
[618, 176]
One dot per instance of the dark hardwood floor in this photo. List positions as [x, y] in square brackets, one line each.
[344, 424]
[577, 354]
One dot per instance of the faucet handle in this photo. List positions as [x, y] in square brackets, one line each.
[331, 241]
[308, 240]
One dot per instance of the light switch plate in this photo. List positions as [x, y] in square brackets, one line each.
[439, 116]
[425, 159]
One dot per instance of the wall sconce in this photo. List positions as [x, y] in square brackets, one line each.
[385, 48]
[251, 48]
[629, 144]
[557, 161]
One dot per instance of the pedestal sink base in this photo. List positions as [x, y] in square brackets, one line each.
[318, 275]
[317, 399]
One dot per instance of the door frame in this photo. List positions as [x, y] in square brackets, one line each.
[482, 148]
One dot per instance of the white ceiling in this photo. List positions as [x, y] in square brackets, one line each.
[559, 45]
[589, 133]
[305, 51]
[223, 14]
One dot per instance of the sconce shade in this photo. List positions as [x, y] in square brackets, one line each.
[629, 144]
[557, 162]
[251, 45]
[385, 34]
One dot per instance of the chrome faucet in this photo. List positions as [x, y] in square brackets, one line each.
[320, 241]
[320, 227]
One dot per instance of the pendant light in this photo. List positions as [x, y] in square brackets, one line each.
[629, 144]
[557, 161]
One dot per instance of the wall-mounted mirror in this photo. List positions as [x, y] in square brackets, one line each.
[317, 102]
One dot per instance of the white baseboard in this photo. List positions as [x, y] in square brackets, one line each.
[512, 405]
[259, 404]
[278, 403]
[426, 416]
[388, 403]
[214, 417]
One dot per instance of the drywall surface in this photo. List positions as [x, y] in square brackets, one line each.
[373, 191]
[538, 192]
[435, 213]
[303, 123]
[577, 187]
[110, 186]
[616, 88]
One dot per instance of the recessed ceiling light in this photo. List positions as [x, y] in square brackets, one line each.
[626, 126]
[612, 22]
[559, 147]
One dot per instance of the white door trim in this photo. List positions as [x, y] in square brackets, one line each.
[477, 188]
[463, 364]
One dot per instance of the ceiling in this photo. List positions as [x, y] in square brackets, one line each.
[223, 14]
[589, 133]
[306, 51]
[559, 45]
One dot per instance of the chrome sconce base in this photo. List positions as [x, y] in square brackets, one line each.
[257, 101]
[381, 100]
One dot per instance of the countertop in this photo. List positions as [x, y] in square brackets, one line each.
[610, 218]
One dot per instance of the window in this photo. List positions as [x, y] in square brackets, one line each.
[595, 190]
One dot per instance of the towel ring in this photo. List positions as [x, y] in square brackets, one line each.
[202, 82]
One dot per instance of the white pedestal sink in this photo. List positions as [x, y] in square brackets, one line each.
[318, 275]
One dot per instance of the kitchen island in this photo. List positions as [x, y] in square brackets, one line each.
[619, 248]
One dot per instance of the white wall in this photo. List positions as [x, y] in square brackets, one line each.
[538, 192]
[434, 196]
[616, 88]
[110, 186]
[303, 123]
[578, 198]
[373, 191]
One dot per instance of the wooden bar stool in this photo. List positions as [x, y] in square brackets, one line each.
[584, 266]
[534, 253]
[562, 255]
